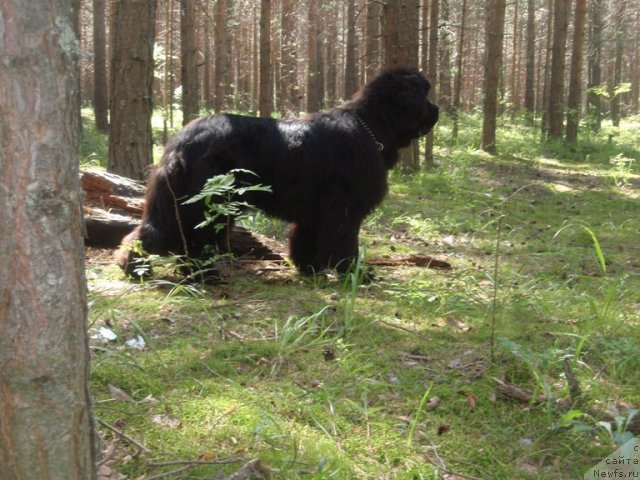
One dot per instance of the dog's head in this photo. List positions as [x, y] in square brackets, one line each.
[399, 98]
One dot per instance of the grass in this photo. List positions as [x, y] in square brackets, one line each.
[333, 379]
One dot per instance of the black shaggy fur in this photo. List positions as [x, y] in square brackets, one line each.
[327, 171]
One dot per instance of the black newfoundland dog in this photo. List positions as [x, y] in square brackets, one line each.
[327, 172]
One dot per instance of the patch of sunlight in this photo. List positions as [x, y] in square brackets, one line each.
[560, 188]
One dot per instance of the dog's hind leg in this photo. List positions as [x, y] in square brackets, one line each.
[302, 248]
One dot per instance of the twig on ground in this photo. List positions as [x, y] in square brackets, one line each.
[404, 329]
[219, 461]
[124, 436]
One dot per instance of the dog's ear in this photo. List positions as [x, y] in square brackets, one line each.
[416, 81]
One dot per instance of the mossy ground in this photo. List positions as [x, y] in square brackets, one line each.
[326, 378]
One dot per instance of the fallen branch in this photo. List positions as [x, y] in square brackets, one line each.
[219, 461]
[512, 391]
[124, 436]
[416, 260]
[253, 469]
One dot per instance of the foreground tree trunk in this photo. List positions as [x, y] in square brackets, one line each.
[131, 106]
[495, 13]
[46, 427]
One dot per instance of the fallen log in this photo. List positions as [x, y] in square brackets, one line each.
[107, 190]
[106, 228]
[113, 206]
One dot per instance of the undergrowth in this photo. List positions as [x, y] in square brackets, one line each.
[336, 378]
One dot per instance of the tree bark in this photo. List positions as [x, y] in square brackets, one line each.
[457, 87]
[595, 61]
[401, 49]
[372, 46]
[100, 85]
[529, 87]
[46, 423]
[315, 78]
[574, 103]
[131, 105]
[617, 69]
[515, 104]
[434, 14]
[546, 81]
[495, 13]
[266, 87]
[350, 70]
[444, 69]
[635, 70]
[556, 105]
[188, 51]
[289, 60]
[222, 55]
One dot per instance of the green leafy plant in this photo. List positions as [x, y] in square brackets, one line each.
[621, 170]
[617, 431]
[220, 195]
[603, 90]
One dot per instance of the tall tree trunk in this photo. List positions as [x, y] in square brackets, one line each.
[208, 90]
[372, 46]
[222, 56]
[556, 105]
[444, 70]
[266, 91]
[617, 70]
[424, 35]
[332, 39]
[169, 79]
[131, 103]
[457, 87]
[401, 49]
[289, 61]
[547, 71]
[315, 78]
[189, 74]
[494, 30]
[634, 108]
[574, 103]
[515, 106]
[350, 69]
[46, 422]
[434, 14]
[100, 85]
[595, 63]
[529, 87]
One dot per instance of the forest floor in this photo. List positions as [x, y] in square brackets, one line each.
[396, 379]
